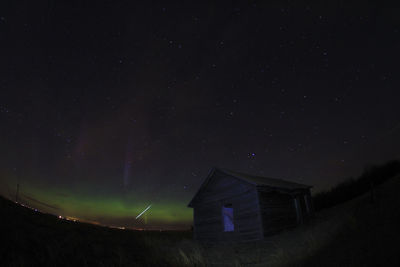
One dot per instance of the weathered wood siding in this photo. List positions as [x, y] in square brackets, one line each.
[278, 211]
[310, 202]
[207, 208]
[305, 207]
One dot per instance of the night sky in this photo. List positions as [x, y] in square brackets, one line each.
[108, 108]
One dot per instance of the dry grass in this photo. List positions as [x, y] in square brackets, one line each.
[355, 233]
[357, 225]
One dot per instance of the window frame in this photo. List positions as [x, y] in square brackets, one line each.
[225, 227]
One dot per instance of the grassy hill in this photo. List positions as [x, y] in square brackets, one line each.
[355, 233]
[369, 234]
[359, 232]
[31, 238]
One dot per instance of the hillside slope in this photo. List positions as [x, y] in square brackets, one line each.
[370, 234]
[32, 238]
[355, 233]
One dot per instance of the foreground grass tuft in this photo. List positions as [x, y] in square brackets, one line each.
[359, 232]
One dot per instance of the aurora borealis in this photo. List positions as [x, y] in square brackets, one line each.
[108, 108]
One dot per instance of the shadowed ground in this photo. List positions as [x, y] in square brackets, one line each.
[355, 233]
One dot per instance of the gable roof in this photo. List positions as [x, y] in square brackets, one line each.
[266, 181]
[253, 180]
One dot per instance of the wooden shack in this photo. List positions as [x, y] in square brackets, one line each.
[232, 206]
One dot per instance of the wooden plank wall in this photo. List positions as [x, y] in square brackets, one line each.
[310, 203]
[223, 189]
[278, 212]
[305, 205]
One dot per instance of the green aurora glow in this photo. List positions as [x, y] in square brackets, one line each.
[108, 210]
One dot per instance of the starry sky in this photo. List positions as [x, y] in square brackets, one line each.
[110, 107]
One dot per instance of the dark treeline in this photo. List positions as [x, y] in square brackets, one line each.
[372, 176]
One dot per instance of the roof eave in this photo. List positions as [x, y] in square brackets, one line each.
[301, 186]
[283, 189]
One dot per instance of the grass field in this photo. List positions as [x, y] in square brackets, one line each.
[355, 233]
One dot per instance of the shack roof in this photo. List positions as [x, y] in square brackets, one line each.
[265, 181]
[259, 181]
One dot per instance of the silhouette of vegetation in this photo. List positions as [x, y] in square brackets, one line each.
[32, 238]
[357, 233]
[372, 176]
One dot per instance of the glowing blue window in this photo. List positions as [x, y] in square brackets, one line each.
[227, 215]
